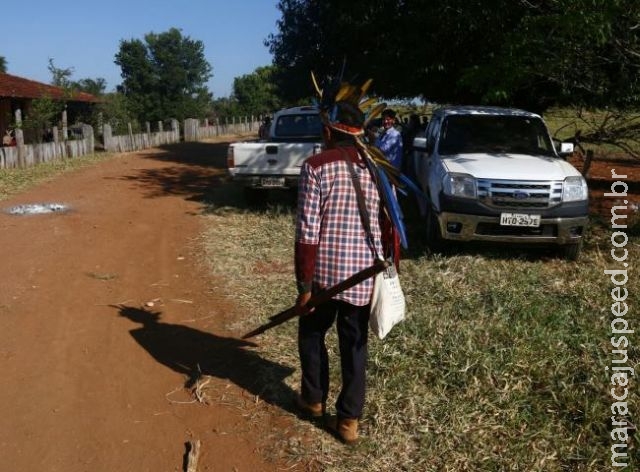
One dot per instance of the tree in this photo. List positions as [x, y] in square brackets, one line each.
[60, 77]
[114, 109]
[165, 76]
[43, 114]
[95, 87]
[3, 65]
[256, 92]
[529, 53]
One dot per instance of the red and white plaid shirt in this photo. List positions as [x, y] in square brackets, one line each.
[331, 243]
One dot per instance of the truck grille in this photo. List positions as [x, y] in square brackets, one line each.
[520, 193]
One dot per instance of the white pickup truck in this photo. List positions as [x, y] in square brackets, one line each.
[294, 135]
[494, 174]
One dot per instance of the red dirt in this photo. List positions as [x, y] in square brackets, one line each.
[90, 381]
[600, 180]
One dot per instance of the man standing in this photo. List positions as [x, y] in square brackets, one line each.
[331, 244]
[389, 141]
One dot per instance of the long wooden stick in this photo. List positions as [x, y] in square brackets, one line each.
[321, 297]
[192, 458]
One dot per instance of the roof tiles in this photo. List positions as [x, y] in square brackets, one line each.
[17, 87]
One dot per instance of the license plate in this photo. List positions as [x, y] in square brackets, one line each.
[519, 219]
[272, 181]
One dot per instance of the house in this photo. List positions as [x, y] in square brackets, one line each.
[17, 93]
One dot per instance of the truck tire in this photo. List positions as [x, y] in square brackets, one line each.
[571, 252]
[434, 238]
[253, 196]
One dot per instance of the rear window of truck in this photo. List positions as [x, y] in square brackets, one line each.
[298, 126]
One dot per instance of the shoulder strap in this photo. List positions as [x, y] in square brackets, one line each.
[364, 213]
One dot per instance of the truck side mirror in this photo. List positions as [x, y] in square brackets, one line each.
[420, 144]
[564, 149]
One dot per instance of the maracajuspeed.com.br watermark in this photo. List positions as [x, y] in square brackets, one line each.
[621, 369]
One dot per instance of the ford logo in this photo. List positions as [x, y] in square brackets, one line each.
[518, 195]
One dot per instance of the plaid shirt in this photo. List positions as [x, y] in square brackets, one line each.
[331, 243]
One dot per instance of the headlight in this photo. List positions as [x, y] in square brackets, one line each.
[459, 185]
[574, 189]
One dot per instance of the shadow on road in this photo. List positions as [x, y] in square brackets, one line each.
[195, 353]
[201, 176]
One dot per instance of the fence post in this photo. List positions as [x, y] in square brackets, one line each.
[19, 135]
[65, 130]
[175, 130]
[131, 146]
[87, 135]
[106, 136]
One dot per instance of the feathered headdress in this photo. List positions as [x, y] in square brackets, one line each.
[346, 108]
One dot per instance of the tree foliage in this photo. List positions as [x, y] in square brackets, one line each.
[95, 86]
[3, 64]
[256, 92]
[528, 53]
[62, 78]
[44, 113]
[164, 76]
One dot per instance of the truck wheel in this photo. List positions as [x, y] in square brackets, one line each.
[253, 196]
[571, 252]
[434, 238]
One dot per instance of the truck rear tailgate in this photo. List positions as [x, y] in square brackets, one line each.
[271, 158]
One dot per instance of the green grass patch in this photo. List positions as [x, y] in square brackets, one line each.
[499, 366]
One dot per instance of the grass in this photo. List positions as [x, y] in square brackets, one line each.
[499, 366]
[13, 181]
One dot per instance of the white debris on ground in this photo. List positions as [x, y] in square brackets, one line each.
[37, 208]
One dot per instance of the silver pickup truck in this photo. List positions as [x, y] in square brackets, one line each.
[295, 134]
[494, 174]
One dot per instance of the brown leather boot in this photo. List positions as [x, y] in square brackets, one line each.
[312, 410]
[345, 428]
[348, 430]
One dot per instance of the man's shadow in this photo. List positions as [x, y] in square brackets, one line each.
[196, 353]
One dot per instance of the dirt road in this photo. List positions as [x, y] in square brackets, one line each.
[105, 312]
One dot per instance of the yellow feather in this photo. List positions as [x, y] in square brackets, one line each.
[365, 87]
[345, 92]
[374, 113]
[315, 85]
[367, 103]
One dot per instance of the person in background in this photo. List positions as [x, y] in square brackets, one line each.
[330, 246]
[409, 133]
[389, 139]
[263, 132]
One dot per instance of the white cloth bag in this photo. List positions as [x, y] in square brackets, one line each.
[387, 302]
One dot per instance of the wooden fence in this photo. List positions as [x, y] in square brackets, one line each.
[27, 155]
[136, 142]
[195, 130]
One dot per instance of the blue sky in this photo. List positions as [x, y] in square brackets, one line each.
[85, 36]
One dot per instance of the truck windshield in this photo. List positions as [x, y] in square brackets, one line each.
[465, 134]
[298, 126]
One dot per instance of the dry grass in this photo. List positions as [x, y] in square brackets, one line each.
[500, 365]
[13, 181]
